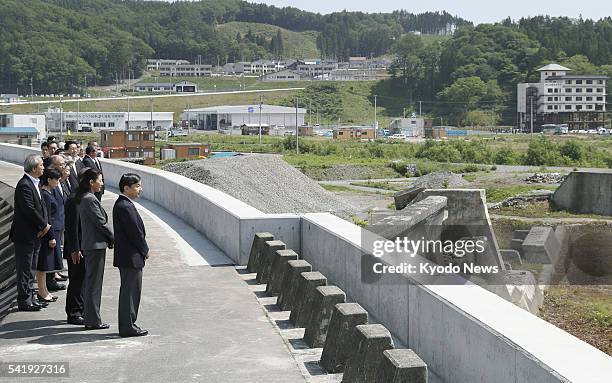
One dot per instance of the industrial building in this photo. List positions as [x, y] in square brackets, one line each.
[134, 145]
[562, 98]
[178, 150]
[354, 132]
[411, 127]
[235, 116]
[78, 121]
[179, 87]
[15, 126]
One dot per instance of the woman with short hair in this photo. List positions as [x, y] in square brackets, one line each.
[50, 256]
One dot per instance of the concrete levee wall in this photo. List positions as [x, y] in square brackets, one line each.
[228, 222]
[585, 192]
[463, 332]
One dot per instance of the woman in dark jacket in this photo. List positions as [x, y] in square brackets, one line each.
[96, 236]
[50, 255]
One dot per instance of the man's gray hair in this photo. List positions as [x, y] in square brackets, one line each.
[31, 162]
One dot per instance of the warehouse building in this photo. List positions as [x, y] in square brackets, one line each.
[235, 116]
[15, 126]
[96, 121]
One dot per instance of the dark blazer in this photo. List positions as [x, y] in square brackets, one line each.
[73, 179]
[95, 232]
[90, 163]
[72, 227]
[54, 203]
[30, 213]
[130, 243]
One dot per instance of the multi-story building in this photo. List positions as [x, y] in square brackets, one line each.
[561, 98]
[156, 64]
[315, 68]
[234, 116]
[135, 145]
[185, 70]
[23, 125]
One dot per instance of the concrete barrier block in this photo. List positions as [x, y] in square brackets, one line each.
[401, 366]
[369, 343]
[256, 251]
[308, 282]
[288, 291]
[541, 245]
[267, 256]
[512, 256]
[520, 234]
[338, 347]
[280, 259]
[517, 244]
[326, 298]
[404, 197]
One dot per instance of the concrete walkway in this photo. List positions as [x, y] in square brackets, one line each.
[205, 324]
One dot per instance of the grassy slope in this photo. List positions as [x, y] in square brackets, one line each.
[296, 44]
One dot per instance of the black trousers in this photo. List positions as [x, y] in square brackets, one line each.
[26, 260]
[129, 299]
[74, 293]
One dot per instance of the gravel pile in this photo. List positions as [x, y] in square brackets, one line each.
[265, 182]
[545, 178]
[439, 180]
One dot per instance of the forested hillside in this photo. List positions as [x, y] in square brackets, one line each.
[59, 43]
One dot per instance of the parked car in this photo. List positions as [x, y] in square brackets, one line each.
[601, 130]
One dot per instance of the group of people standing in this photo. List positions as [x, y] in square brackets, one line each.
[59, 215]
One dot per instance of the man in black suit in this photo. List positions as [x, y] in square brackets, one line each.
[71, 148]
[29, 225]
[131, 251]
[91, 161]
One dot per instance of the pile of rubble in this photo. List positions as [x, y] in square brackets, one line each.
[523, 200]
[545, 178]
[265, 182]
[440, 180]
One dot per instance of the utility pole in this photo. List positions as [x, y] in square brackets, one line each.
[31, 90]
[128, 120]
[310, 113]
[188, 117]
[260, 107]
[420, 103]
[61, 119]
[375, 122]
[85, 85]
[297, 131]
[151, 102]
[78, 113]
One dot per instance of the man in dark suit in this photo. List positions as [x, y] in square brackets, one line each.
[91, 161]
[131, 251]
[72, 150]
[29, 225]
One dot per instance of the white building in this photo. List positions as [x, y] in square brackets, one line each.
[155, 64]
[559, 97]
[223, 117]
[56, 120]
[411, 127]
[284, 75]
[185, 70]
[31, 125]
[154, 87]
[9, 97]
[316, 67]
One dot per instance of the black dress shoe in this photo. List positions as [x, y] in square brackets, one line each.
[56, 286]
[41, 304]
[29, 308]
[76, 321]
[137, 333]
[101, 326]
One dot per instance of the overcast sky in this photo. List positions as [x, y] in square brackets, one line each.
[478, 11]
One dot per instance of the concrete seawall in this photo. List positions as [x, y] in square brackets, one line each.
[463, 332]
[585, 192]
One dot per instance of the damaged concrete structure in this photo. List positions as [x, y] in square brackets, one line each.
[585, 192]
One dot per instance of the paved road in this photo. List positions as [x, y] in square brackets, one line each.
[54, 101]
[205, 324]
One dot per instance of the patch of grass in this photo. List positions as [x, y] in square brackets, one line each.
[543, 210]
[359, 222]
[501, 193]
[379, 185]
